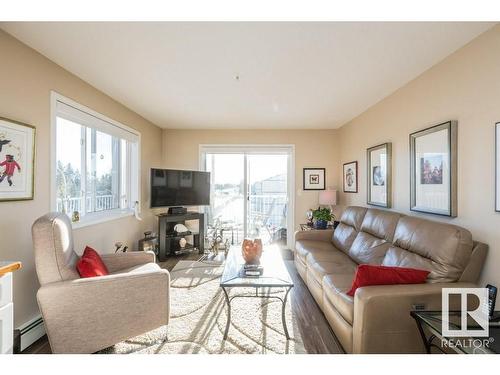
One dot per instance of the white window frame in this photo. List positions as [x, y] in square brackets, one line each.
[256, 149]
[134, 182]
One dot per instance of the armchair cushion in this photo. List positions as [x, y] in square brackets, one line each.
[141, 268]
[123, 261]
[91, 264]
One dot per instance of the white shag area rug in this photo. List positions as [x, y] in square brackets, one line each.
[198, 319]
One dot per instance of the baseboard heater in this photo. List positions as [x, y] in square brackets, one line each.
[28, 333]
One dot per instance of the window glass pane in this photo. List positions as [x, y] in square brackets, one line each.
[68, 167]
[103, 171]
[90, 167]
[226, 211]
[267, 197]
[123, 173]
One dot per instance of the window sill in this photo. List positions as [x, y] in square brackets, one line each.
[101, 217]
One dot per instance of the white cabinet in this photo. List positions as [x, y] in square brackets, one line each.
[6, 314]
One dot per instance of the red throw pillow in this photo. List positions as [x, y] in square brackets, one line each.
[91, 264]
[367, 275]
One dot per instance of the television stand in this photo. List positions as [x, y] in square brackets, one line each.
[169, 239]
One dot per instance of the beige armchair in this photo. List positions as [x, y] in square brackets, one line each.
[90, 314]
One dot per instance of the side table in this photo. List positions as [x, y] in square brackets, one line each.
[304, 227]
[431, 321]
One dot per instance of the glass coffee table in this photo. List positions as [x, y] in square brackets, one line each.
[275, 276]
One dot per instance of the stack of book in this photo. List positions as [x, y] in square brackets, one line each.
[253, 270]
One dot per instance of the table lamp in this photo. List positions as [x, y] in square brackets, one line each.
[328, 198]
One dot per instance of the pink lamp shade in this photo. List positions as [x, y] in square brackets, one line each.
[328, 197]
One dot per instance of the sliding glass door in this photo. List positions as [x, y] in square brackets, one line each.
[250, 192]
[227, 195]
[267, 197]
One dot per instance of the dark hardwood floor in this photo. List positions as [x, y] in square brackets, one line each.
[316, 333]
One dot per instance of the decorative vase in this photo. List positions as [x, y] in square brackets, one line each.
[149, 242]
[251, 250]
[309, 216]
[320, 224]
[182, 243]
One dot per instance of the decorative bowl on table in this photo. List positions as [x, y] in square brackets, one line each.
[251, 250]
[320, 224]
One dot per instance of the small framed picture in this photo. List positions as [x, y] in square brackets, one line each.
[350, 172]
[17, 160]
[433, 170]
[379, 175]
[314, 179]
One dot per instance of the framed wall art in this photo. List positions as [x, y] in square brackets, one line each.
[350, 173]
[314, 179]
[433, 170]
[17, 160]
[379, 175]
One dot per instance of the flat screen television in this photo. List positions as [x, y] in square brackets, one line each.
[170, 187]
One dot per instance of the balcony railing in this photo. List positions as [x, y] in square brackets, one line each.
[102, 203]
[270, 209]
[266, 215]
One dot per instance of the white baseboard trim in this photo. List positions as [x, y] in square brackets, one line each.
[31, 331]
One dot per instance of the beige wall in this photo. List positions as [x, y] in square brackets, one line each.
[26, 79]
[464, 87]
[313, 148]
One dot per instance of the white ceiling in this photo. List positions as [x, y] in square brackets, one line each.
[291, 75]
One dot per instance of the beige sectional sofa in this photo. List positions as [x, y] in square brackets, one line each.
[377, 319]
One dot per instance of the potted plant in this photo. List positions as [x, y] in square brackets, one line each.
[321, 217]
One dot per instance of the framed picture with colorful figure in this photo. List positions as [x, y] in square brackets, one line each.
[433, 170]
[17, 160]
[350, 172]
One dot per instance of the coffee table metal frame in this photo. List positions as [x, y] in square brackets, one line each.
[257, 295]
[276, 277]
